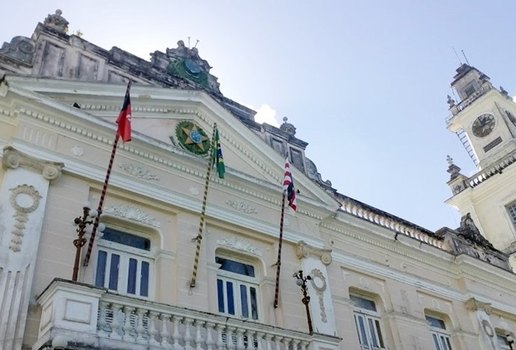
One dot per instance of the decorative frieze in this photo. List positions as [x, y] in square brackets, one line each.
[239, 244]
[241, 206]
[139, 172]
[132, 213]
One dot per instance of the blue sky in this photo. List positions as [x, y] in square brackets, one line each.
[364, 82]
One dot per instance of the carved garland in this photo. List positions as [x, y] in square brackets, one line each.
[24, 199]
[319, 284]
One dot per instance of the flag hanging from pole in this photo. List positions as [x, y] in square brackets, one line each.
[288, 186]
[124, 118]
[219, 160]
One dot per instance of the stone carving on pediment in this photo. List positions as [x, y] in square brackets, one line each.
[318, 282]
[132, 213]
[304, 250]
[240, 245]
[241, 206]
[77, 151]
[473, 304]
[20, 49]
[139, 172]
[13, 159]
[469, 230]
[24, 199]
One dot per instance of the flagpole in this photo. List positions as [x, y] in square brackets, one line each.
[278, 262]
[124, 132]
[198, 238]
[101, 202]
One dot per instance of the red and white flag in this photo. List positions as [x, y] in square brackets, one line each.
[124, 118]
[288, 186]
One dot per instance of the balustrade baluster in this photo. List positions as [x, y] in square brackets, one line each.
[286, 343]
[295, 344]
[304, 345]
[209, 336]
[277, 342]
[268, 341]
[116, 324]
[259, 340]
[140, 328]
[220, 339]
[128, 327]
[240, 339]
[188, 333]
[198, 334]
[176, 335]
[153, 331]
[164, 334]
[102, 321]
[229, 337]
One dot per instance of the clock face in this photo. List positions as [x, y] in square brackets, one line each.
[483, 125]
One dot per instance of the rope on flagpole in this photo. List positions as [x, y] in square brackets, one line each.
[198, 238]
[101, 202]
[278, 262]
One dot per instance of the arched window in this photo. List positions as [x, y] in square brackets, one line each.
[367, 322]
[237, 288]
[124, 263]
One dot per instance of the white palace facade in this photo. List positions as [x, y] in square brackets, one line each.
[376, 281]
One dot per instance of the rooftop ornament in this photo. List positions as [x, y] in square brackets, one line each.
[57, 22]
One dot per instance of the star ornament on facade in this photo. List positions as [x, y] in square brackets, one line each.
[194, 136]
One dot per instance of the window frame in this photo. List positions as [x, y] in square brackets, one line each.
[368, 324]
[441, 337]
[511, 212]
[126, 253]
[239, 281]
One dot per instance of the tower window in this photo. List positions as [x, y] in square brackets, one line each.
[511, 209]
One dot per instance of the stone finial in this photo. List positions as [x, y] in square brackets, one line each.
[57, 22]
[288, 127]
[453, 169]
[451, 101]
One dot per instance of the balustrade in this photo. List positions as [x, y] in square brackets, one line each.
[124, 322]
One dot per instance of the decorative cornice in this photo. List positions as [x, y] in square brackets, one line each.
[390, 223]
[132, 213]
[13, 159]
[304, 250]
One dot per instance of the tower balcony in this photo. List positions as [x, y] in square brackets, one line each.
[79, 316]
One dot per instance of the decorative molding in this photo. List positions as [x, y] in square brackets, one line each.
[473, 304]
[241, 206]
[304, 250]
[13, 159]
[132, 213]
[24, 199]
[195, 191]
[77, 151]
[139, 172]
[318, 282]
[239, 244]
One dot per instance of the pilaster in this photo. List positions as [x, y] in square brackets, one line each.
[23, 195]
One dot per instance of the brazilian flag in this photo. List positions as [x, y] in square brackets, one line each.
[217, 155]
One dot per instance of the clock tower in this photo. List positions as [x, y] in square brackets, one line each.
[484, 118]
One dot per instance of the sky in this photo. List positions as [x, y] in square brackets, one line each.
[364, 82]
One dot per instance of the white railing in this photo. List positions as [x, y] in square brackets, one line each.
[88, 317]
